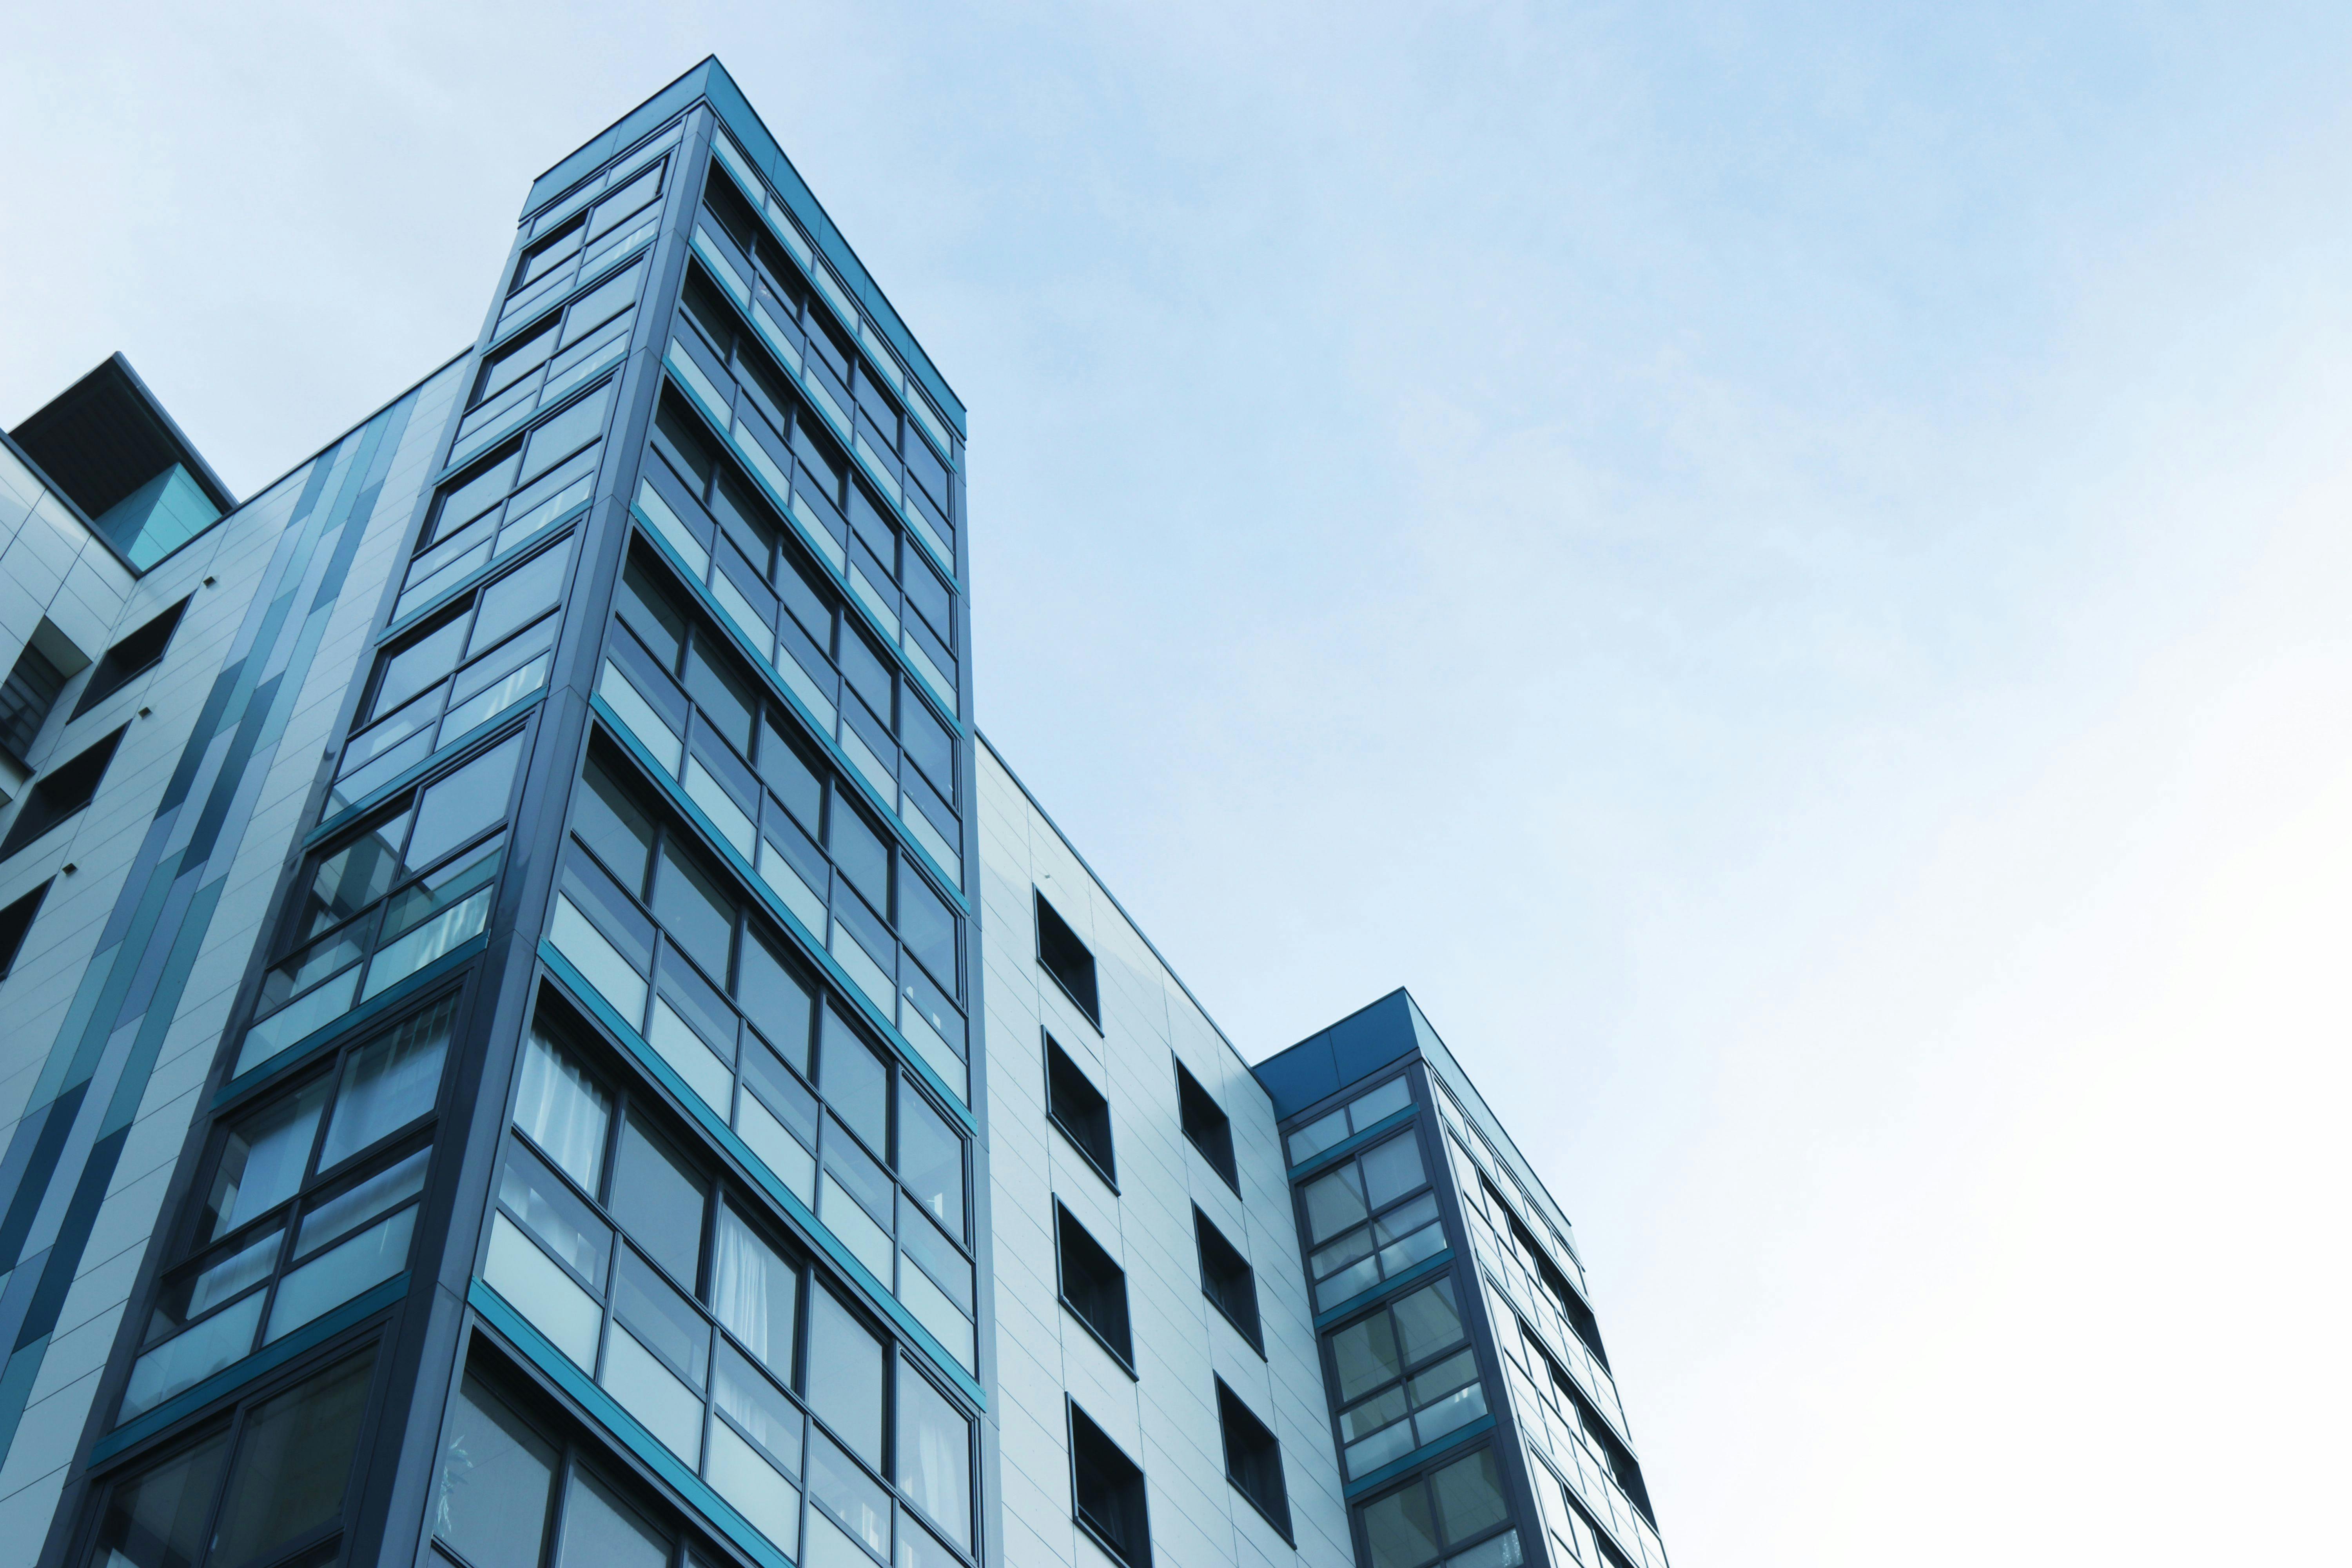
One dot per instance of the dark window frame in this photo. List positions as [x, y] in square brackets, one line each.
[44, 808]
[16, 924]
[1219, 1259]
[1059, 948]
[1259, 1451]
[1103, 1276]
[145, 644]
[1080, 1124]
[1206, 1126]
[1096, 1461]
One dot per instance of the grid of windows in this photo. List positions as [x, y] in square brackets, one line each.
[674, 684]
[1568, 1406]
[1404, 1376]
[266, 1485]
[445, 679]
[1456, 1513]
[307, 1201]
[1365, 1221]
[378, 903]
[798, 461]
[508, 499]
[664, 1283]
[752, 268]
[571, 241]
[711, 987]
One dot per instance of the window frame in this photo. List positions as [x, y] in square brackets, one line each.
[1275, 1509]
[39, 815]
[112, 674]
[1087, 1434]
[1105, 1163]
[1066, 1226]
[1054, 933]
[1206, 1236]
[1211, 1139]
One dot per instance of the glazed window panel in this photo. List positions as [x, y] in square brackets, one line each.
[270, 1482]
[727, 1372]
[472, 663]
[508, 499]
[308, 1201]
[1407, 1375]
[1360, 1113]
[1370, 1218]
[1448, 1515]
[676, 688]
[389, 898]
[833, 1118]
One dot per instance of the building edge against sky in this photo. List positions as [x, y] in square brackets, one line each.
[544, 1034]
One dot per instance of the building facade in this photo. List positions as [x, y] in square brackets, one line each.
[539, 1034]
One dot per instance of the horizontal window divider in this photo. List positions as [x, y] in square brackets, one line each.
[493, 725]
[839, 575]
[602, 1408]
[1458, 1437]
[713, 1125]
[949, 885]
[1426, 1269]
[1353, 1144]
[310, 1046]
[473, 579]
[234, 1375]
[718, 844]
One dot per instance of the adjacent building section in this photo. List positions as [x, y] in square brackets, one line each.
[1475, 1417]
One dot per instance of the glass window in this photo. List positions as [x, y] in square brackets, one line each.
[611, 822]
[1349, 1120]
[495, 1475]
[755, 1293]
[658, 1199]
[858, 849]
[600, 1531]
[855, 1082]
[1391, 1415]
[1441, 1512]
[934, 1455]
[930, 1162]
[844, 1377]
[565, 1111]
[156, 1519]
[689, 905]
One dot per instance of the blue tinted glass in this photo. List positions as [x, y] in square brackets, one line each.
[855, 1082]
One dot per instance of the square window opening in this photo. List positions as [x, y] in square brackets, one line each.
[1094, 1287]
[1207, 1126]
[1106, 1491]
[1228, 1279]
[1068, 960]
[1075, 1106]
[1254, 1459]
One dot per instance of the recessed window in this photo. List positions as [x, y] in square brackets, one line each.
[15, 922]
[1094, 1287]
[1107, 1491]
[1206, 1124]
[1075, 1106]
[1068, 960]
[1556, 1387]
[31, 691]
[63, 791]
[1227, 1279]
[1253, 1458]
[135, 655]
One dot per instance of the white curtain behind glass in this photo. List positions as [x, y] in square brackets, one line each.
[563, 1111]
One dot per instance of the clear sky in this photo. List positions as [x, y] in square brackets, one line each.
[1784, 566]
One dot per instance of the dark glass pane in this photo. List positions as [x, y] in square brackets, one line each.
[866, 672]
[1400, 1529]
[859, 1174]
[689, 905]
[468, 801]
[156, 1519]
[644, 603]
[1365, 1355]
[782, 1093]
[292, 1462]
[1392, 1170]
[418, 665]
[601, 1531]
[1428, 1320]
[1469, 1496]
[262, 1161]
[931, 1161]
[610, 822]
[659, 1198]
[775, 999]
[511, 364]
[715, 683]
[855, 1082]
[389, 1084]
[857, 849]
[844, 1377]
[796, 583]
[476, 493]
[788, 771]
[701, 305]
[516, 598]
[927, 927]
[928, 741]
[352, 877]
[495, 1473]
[678, 436]
[661, 1318]
[746, 518]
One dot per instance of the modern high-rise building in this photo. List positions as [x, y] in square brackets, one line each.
[538, 1035]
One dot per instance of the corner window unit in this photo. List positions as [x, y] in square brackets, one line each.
[308, 1198]
[1369, 1219]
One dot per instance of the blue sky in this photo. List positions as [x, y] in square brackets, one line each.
[1784, 567]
